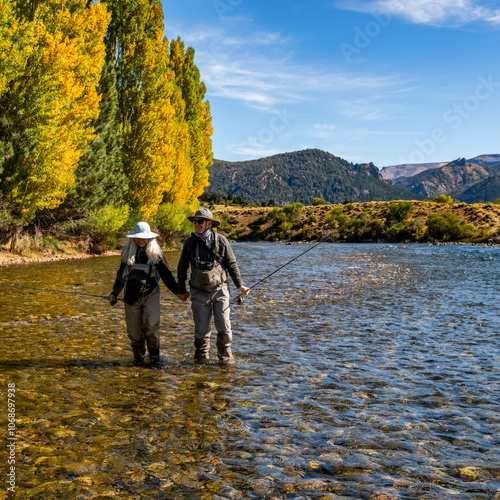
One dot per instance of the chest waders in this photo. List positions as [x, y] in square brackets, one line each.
[210, 299]
[207, 275]
[143, 315]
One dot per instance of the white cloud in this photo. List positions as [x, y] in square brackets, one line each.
[260, 70]
[432, 12]
[323, 131]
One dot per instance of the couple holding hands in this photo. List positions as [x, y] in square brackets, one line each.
[143, 264]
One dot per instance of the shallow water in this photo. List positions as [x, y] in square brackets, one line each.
[363, 371]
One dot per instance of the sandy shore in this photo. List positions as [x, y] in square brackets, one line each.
[9, 259]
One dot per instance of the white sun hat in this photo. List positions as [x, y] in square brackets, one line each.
[143, 231]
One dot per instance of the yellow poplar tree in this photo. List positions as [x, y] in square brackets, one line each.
[150, 137]
[196, 114]
[53, 102]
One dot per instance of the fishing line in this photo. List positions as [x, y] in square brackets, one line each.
[57, 291]
[239, 298]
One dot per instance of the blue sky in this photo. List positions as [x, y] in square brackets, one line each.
[386, 81]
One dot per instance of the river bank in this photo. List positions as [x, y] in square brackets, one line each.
[9, 259]
[377, 222]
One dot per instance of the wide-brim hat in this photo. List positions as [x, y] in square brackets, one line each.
[204, 213]
[143, 231]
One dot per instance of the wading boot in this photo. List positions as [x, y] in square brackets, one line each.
[201, 357]
[154, 357]
[225, 356]
[139, 357]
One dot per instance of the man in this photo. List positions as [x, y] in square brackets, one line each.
[211, 258]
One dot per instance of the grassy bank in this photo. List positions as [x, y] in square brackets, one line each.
[396, 221]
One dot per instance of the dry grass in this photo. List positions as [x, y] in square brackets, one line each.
[484, 216]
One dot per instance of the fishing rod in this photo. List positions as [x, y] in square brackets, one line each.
[57, 291]
[239, 298]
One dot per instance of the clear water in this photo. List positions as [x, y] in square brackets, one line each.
[363, 371]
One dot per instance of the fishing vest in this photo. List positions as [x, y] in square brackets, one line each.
[138, 280]
[207, 275]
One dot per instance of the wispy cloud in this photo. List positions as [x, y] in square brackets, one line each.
[431, 12]
[261, 70]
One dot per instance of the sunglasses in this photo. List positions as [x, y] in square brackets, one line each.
[199, 221]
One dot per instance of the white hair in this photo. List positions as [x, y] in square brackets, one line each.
[153, 251]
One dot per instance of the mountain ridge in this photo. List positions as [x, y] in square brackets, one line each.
[301, 176]
[392, 172]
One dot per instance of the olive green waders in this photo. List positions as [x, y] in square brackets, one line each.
[143, 325]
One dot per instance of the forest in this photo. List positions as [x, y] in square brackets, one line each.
[103, 120]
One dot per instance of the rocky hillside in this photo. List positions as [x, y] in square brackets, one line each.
[364, 222]
[302, 176]
[392, 172]
[460, 179]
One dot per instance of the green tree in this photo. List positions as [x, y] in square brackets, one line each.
[99, 178]
[49, 102]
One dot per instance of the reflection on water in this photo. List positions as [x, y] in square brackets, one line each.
[363, 371]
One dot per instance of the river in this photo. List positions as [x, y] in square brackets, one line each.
[363, 371]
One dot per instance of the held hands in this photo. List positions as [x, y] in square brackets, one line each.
[112, 299]
[183, 296]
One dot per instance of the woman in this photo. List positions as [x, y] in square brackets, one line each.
[142, 266]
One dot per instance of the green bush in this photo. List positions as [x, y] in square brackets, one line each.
[293, 208]
[110, 218]
[447, 227]
[318, 201]
[283, 230]
[172, 218]
[399, 211]
[442, 198]
[336, 221]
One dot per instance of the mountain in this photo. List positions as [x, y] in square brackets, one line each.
[393, 172]
[485, 160]
[487, 191]
[460, 179]
[301, 176]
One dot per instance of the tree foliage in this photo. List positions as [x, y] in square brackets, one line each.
[49, 101]
[97, 108]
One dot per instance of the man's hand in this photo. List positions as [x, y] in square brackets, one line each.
[112, 299]
[183, 296]
[244, 290]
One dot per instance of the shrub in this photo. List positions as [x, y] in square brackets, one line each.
[293, 208]
[110, 218]
[172, 218]
[318, 201]
[337, 220]
[442, 198]
[447, 227]
[293, 211]
[283, 230]
[399, 211]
